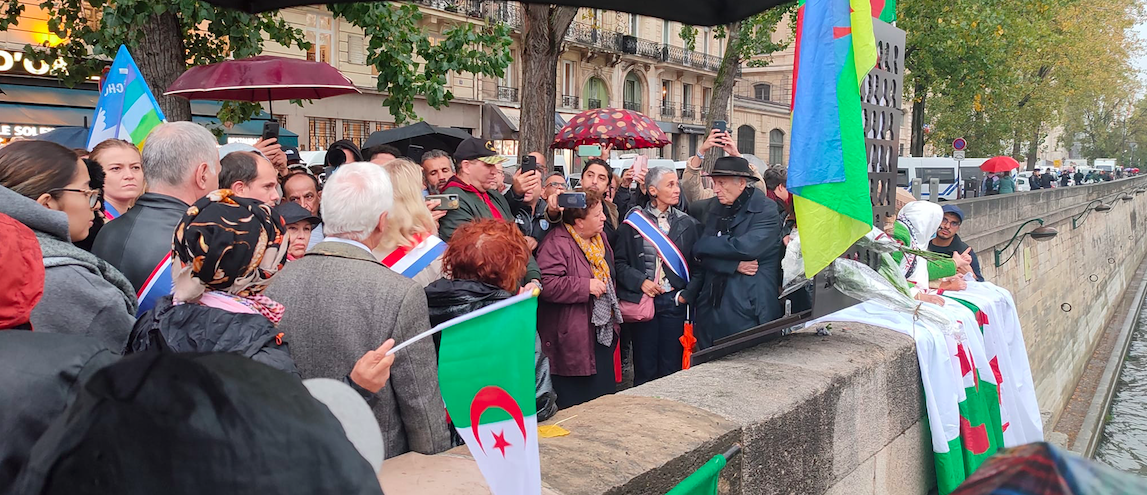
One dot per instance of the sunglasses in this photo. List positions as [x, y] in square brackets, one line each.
[93, 195]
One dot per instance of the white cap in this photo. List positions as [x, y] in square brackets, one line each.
[357, 419]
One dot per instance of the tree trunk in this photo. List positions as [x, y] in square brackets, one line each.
[920, 93]
[723, 90]
[1033, 146]
[1016, 144]
[544, 27]
[162, 57]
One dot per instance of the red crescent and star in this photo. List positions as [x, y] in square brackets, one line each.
[495, 397]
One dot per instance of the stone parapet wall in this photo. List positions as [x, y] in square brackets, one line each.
[1067, 288]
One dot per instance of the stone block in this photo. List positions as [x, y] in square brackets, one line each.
[859, 482]
[896, 470]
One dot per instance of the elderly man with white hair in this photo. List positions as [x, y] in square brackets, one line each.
[180, 165]
[740, 252]
[342, 303]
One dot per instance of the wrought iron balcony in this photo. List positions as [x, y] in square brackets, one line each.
[471, 8]
[592, 103]
[570, 101]
[506, 93]
[632, 105]
[688, 111]
[668, 110]
[704, 113]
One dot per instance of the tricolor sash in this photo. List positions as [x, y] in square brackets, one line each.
[666, 250]
[157, 285]
[110, 212]
[408, 262]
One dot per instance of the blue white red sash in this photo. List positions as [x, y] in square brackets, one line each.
[668, 251]
[110, 212]
[410, 261]
[157, 285]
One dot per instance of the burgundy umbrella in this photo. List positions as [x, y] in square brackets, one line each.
[263, 78]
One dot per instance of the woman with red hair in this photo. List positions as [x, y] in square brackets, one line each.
[484, 263]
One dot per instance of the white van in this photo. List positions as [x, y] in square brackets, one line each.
[944, 169]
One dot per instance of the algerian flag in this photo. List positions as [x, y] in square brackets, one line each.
[486, 372]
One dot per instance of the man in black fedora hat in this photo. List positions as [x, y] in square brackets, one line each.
[740, 251]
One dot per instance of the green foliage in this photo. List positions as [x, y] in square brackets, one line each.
[409, 64]
[1003, 74]
[92, 31]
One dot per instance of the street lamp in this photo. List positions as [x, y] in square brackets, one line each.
[1100, 206]
[1040, 233]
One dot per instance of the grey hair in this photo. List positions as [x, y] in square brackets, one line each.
[432, 154]
[654, 175]
[353, 199]
[174, 149]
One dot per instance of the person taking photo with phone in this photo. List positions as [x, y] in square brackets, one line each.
[477, 163]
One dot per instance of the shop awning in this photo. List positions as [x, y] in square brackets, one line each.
[45, 116]
[249, 129]
[667, 127]
[691, 129]
[500, 122]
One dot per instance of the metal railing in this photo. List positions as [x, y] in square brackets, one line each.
[688, 111]
[570, 101]
[506, 93]
[631, 105]
[592, 103]
[704, 113]
[470, 8]
[668, 109]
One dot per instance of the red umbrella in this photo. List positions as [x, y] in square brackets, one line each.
[624, 129]
[262, 78]
[1000, 164]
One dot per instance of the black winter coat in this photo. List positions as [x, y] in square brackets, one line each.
[448, 299]
[197, 328]
[634, 262]
[40, 376]
[748, 301]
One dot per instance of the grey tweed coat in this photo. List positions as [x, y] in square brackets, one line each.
[340, 303]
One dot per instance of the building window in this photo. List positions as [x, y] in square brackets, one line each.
[746, 140]
[356, 49]
[356, 131]
[901, 149]
[707, 33]
[763, 92]
[567, 78]
[595, 94]
[321, 132]
[282, 120]
[776, 147]
[687, 94]
[634, 22]
[666, 92]
[320, 32]
[665, 26]
[633, 92]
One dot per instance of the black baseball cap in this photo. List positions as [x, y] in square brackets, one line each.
[293, 212]
[478, 149]
[292, 155]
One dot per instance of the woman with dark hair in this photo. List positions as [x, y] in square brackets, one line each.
[578, 315]
[47, 188]
[484, 263]
[99, 217]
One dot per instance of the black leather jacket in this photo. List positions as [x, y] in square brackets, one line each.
[450, 299]
[139, 239]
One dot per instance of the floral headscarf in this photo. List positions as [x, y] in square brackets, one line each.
[227, 244]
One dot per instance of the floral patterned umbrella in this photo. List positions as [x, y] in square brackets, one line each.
[624, 129]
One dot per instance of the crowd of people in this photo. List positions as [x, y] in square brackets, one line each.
[184, 247]
[1005, 182]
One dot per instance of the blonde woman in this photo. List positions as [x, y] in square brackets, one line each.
[123, 175]
[411, 247]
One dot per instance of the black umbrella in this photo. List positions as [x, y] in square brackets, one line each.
[429, 137]
[694, 12]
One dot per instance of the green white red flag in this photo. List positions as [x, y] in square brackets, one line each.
[486, 372]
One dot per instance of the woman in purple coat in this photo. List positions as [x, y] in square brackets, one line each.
[579, 317]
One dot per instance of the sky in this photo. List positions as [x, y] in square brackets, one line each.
[1140, 61]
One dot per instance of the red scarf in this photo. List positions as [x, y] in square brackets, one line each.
[456, 182]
